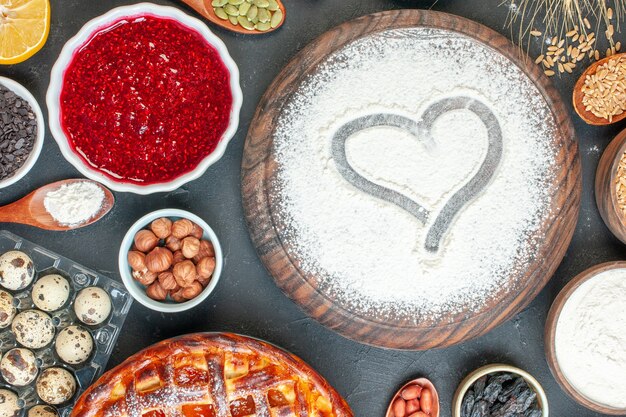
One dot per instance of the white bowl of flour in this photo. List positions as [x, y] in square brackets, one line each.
[586, 338]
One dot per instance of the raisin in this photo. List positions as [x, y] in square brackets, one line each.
[479, 386]
[467, 404]
[480, 409]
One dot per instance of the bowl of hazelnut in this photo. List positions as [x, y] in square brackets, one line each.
[170, 260]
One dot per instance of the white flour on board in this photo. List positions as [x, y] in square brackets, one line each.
[367, 254]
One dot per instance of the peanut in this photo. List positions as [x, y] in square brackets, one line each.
[399, 407]
[411, 392]
[412, 406]
[426, 401]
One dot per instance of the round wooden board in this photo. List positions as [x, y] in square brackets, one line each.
[259, 169]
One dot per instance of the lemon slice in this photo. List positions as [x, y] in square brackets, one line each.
[24, 27]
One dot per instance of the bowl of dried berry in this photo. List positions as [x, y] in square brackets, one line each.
[500, 390]
[170, 260]
[21, 131]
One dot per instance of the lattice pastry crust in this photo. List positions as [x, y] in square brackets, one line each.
[211, 375]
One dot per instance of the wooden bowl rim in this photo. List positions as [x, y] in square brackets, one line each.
[469, 380]
[373, 23]
[421, 381]
[585, 115]
[620, 137]
[550, 333]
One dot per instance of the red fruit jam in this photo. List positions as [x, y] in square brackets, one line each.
[145, 99]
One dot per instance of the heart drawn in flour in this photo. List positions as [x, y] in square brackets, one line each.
[422, 131]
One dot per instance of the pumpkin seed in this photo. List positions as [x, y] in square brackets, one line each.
[264, 16]
[219, 12]
[262, 3]
[253, 12]
[243, 8]
[262, 26]
[244, 22]
[233, 20]
[273, 5]
[218, 3]
[277, 17]
[235, 2]
[231, 10]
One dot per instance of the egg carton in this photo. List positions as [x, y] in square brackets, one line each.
[104, 335]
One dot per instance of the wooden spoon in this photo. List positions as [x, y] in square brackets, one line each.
[577, 96]
[205, 9]
[30, 210]
[425, 384]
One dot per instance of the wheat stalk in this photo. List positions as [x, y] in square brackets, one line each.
[560, 16]
[566, 28]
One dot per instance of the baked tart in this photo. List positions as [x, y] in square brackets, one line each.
[211, 375]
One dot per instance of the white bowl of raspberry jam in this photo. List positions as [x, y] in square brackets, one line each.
[144, 99]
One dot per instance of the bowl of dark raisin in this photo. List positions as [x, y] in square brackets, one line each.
[499, 390]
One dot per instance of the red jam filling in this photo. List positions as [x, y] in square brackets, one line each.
[145, 99]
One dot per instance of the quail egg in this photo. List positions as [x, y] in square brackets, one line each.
[33, 329]
[51, 292]
[16, 270]
[7, 309]
[42, 411]
[92, 305]
[74, 345]
[9, 405]
[56, 385]
[19, 367]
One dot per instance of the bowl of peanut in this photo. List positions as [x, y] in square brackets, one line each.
[170, 260]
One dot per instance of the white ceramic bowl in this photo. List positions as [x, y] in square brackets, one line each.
[56, 84]
[138, 291]
[21, 91]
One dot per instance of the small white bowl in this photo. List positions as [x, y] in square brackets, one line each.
[138, 291]
[21, 91]
[56, 84]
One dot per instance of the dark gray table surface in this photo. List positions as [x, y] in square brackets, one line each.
[247, 300]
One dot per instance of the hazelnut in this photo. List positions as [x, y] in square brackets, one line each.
[167, 281]
[156, 292]
[206, 249]
[159, 259]
[144, 277]
[206, 267]
[184, 273]
[203, 281]
[192, 290]
[162, 227]
[177, 295]
[178, 257]
[197, 231]
[137, 260]
[172, 243]
[190, 247]
[182, 228]
[145, 241]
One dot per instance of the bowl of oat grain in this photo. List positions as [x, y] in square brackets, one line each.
[610, 186]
